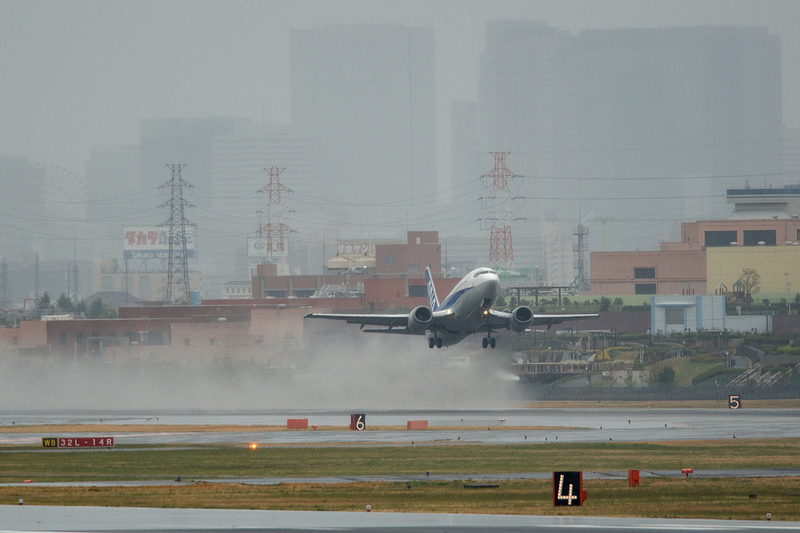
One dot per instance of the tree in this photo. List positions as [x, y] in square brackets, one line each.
[44, 301]
[751, 280]
[64, 302]
[95, 308]
[605, 303]
[665, 376]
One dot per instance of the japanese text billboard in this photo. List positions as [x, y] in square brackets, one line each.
[153, 243]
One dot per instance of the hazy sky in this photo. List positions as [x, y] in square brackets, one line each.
[77, 74]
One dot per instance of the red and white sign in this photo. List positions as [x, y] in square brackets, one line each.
[153, 242]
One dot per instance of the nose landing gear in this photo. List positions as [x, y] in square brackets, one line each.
[489, 341]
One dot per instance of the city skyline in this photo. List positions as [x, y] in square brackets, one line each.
[65, 95]
[80, 123]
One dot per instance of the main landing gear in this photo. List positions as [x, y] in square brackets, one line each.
[437, 341]
[488, 340]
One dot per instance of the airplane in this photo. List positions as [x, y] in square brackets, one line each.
[465, 311]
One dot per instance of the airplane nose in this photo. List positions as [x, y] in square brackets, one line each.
[495, 284]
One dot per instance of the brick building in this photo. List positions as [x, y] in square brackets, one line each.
[710, 257]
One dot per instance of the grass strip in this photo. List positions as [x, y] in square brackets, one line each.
[740, 499]
[219, 462]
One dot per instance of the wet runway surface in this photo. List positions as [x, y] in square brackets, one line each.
[574, 425]
[22, 518]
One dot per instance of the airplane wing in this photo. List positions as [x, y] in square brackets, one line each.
[549, 320]
[389, 321]
[503, 320]
[394, 323]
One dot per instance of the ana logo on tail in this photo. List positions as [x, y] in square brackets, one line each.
[434, 301]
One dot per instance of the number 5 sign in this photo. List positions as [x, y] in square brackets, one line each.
[568, 489]
[734, 401]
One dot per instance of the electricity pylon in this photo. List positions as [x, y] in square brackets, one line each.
[178, 289]
[498, 203]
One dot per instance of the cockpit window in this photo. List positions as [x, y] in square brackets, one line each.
[481, 272]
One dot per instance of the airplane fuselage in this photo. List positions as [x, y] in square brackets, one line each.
[466, 307]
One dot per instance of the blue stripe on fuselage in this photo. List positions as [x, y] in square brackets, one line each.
[453, 298]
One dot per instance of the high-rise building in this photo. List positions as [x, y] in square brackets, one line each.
[527, 107]
[527, 96]
[181, 141]
[468, 160]
[22, 206]
[367, 95]
[115, 197]
[791, 154]
[629, 123]
[674, 108]
[239, 210]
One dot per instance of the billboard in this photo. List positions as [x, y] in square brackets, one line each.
[153, 243]
[354, 250]
[257, 247]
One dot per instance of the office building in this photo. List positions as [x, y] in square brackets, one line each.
[367, 95]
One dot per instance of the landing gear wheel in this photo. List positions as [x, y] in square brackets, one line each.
[430, 342]
[485, 342]
[438, 342]
[492, 342]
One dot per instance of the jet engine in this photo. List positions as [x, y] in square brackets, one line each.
[521, 318]
[419, 318]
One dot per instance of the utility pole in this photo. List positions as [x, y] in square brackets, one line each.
[178, 289]
[36, 276]
[75, 285]
[5, 288]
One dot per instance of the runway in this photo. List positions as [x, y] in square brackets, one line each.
[570, 425]
[564, 425]
[69, 519]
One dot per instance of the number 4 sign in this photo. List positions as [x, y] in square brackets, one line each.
[568, 488]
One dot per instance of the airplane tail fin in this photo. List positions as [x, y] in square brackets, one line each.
[432, 298]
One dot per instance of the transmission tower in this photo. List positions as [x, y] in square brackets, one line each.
[275, 229]
[498, 203]
[582, 233]
[178, 290]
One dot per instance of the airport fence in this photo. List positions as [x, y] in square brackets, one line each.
[721, 392]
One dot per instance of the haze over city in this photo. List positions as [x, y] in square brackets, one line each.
[81, 77]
